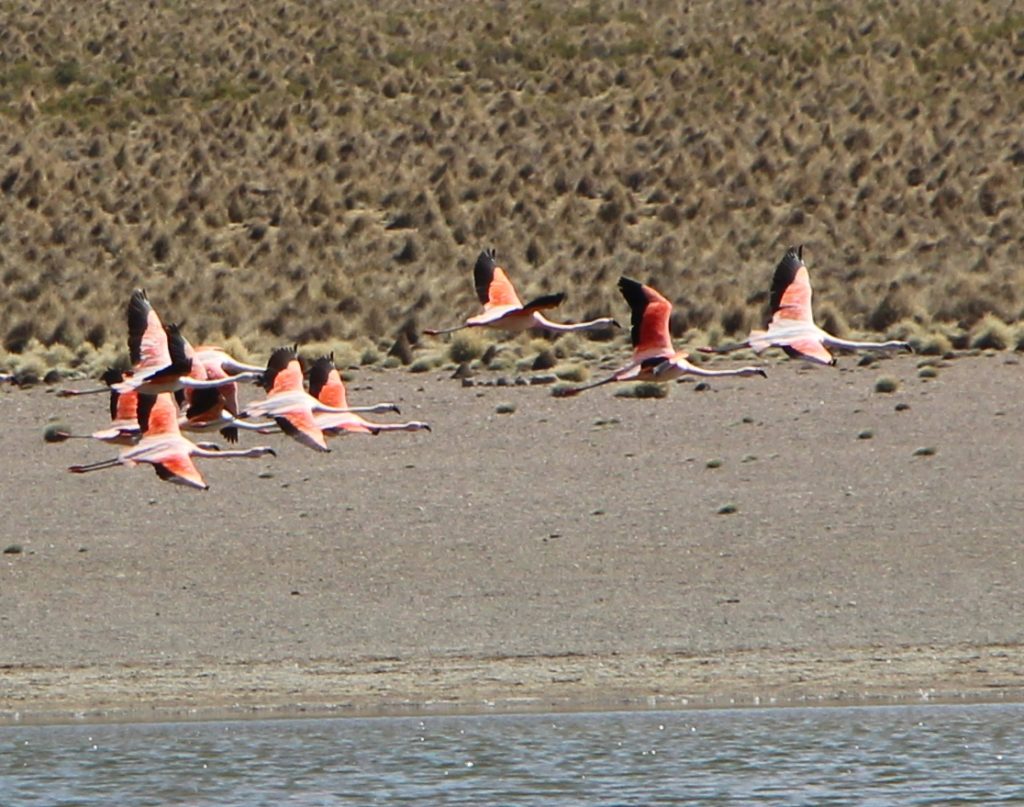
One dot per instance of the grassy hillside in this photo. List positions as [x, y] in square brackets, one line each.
[316, 171]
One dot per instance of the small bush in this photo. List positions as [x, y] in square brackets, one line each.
[991, 333]
[573, 372]
[932, 344]
[67, 73]
[643, 389]
[425, 364]
[886, 384]
[465, 347]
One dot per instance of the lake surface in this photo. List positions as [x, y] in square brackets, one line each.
[928, 754]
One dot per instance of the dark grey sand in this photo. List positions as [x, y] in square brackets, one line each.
[568, 555]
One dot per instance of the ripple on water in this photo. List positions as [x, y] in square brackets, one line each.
[880, 755]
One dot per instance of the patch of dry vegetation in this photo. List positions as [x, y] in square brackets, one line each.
[315, 172]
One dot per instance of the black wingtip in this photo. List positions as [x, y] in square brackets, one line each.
[486, 261]
[111, 376]
[793, 258]
[279, 359]
[319, 372]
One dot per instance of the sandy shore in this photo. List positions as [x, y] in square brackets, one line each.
[568, 555]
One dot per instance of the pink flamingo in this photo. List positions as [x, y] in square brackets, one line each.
[163, 446]
[791, 326]
[160, 362]
[291, 407]
[654, 358]
[326, 386]
[504, 310]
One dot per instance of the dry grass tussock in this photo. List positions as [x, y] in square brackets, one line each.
[323, 172]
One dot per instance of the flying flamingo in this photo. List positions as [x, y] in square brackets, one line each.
[654, 358]
[504, 310]
[159, 354]
[163, 447]
[792, 325]
[124, 423]
[214, 407]
[325, 385]
[291, 407]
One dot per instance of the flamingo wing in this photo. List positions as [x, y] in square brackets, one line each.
[650, 315]
[158, 414]
[545, 302]
[147, 341]
[331, 422]
[493, 288]
[325, 383]
[124, 405]
[333, 392]
[301, 426]
[284, 371]
[180, 469]
[204, 404]
[791, 289]
[227, 393]
[809, 349]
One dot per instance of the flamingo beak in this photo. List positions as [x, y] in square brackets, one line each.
[762, 373]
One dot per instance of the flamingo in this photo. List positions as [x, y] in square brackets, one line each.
[214, 407]
[159, 354]
[124, 423]
[504, 310]
[792, 322]
[654, 358]
[291, 407]
[325, 385]
[163, 447]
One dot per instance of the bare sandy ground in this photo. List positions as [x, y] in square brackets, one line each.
[570, 554]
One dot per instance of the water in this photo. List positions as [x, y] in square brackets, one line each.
[863, 756]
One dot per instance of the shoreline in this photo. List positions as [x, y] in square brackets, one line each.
[391, 687]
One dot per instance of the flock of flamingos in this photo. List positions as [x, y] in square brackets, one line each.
[174, 387]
